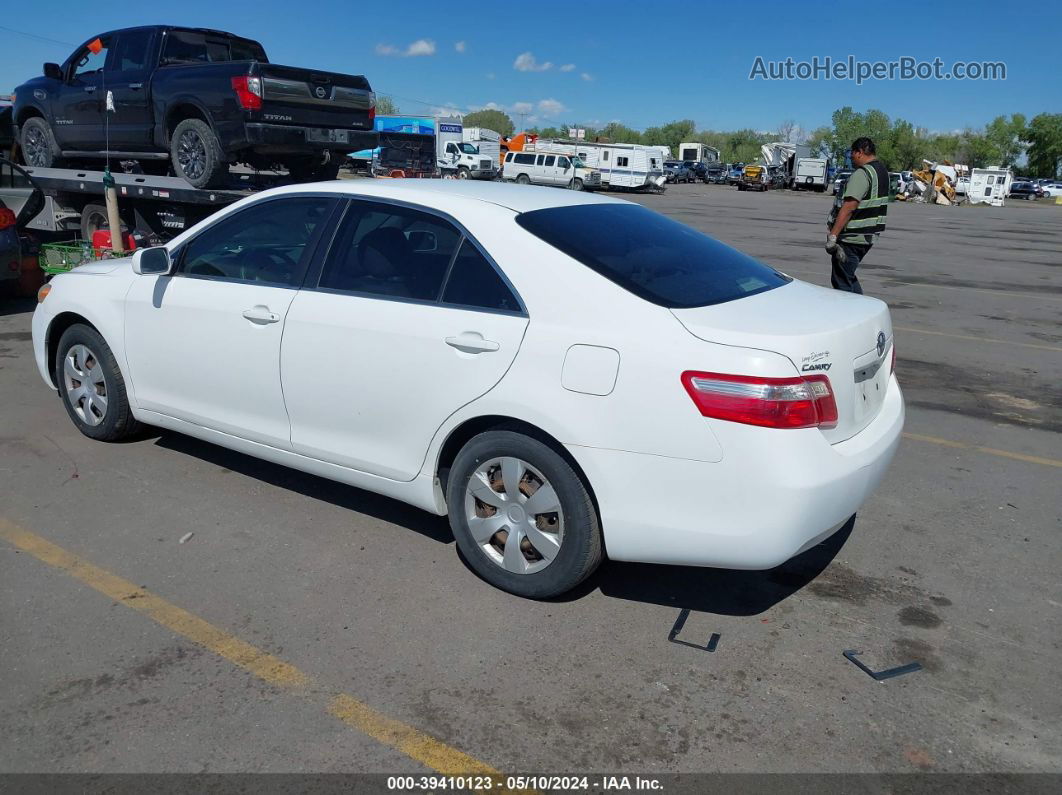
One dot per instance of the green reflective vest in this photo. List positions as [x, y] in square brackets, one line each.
[869, 216]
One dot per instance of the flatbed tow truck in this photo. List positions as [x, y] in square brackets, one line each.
[158, 208]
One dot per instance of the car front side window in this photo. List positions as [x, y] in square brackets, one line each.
[267, 243]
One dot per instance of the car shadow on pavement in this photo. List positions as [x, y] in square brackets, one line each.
[339, 494]
[721, 591]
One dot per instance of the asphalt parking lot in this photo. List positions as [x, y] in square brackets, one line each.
[309, 626]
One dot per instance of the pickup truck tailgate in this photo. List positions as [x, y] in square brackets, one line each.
[315, 99]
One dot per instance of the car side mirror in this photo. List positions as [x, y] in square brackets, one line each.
[152, 261]
[52, 71]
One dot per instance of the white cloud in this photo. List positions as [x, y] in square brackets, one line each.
[568, 67]
[587, 77]
[550, 107]
[419, 47]
[523, 107]
[526, 62]
[459, 46]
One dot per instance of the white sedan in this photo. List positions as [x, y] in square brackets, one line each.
[563, 374]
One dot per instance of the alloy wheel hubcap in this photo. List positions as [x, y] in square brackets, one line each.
[86, 389]
[191, 154]
[514, 515]
[35, 147]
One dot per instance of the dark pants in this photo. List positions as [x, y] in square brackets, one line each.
[844, 276]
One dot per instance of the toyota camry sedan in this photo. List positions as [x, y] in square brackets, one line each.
[564, 375]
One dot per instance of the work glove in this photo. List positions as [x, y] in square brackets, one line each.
[836, 250]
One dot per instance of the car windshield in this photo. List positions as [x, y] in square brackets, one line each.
[578, 162]
[658, 259]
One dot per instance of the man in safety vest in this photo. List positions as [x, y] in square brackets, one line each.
[857, 217]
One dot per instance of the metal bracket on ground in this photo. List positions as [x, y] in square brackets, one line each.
[672, 636]
[850, 655]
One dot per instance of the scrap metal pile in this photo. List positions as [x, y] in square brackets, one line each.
[936, 183]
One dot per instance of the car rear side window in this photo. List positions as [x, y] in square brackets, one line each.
[473, 282]
[658, 259]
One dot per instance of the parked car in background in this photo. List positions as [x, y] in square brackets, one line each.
[735, 174]
[698, 169]
[1051, 188]
[545, 168]
[10, 252]
[840, 179]
[195, 100]
[716, 173]
[1025, 190]
[547, 433]
[676, 171]
[962, 186]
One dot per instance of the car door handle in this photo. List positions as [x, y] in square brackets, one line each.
[136, 86]
[261, 315]
[472, 342]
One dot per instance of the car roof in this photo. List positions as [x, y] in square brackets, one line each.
[518, 198]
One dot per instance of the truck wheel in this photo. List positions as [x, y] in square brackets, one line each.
[523, 179]
[463, 173]
[38, 144]
[196, 154]
[93, 219]
[311, 171]
[577, 184]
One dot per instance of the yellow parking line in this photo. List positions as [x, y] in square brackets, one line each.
[978, 339]
[412, 742]
[1029, 459]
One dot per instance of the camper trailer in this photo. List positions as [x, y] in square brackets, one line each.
[622, 166]
[989, 185]
[699, 153]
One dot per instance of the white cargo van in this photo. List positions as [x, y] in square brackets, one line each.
[543, 168]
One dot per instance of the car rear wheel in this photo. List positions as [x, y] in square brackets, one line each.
[39, 148]
[523, 179]
[522, 516]
[91, 385]
[196, 154]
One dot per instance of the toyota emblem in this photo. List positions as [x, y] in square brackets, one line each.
[881, 343]
[320, 92]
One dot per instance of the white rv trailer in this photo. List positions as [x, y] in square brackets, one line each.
[622, 166]
[989, 185]
[698, 153]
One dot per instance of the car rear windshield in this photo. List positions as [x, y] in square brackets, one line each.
[655, 258]
[194, 46]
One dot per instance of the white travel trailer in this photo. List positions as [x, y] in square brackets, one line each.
[622, 166]
[989, 185]
[698, 153]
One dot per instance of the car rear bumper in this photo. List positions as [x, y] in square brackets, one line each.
[293, 138]
[774, 494]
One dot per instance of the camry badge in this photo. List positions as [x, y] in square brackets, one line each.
[881, 343]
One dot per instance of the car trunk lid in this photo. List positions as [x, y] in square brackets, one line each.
[846, 337]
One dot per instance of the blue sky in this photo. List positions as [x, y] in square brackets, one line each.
[638, 63]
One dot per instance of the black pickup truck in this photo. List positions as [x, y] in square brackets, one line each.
[194, 100]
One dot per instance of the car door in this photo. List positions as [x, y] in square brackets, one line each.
[78, 108]
[128, 76]
[203, 344]
[408, 321]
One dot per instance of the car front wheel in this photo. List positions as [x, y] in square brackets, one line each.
[91, 385]
[522, 516]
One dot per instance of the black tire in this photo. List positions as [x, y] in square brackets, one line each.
[38, 145]
[117, 421]
[523, 179]
[196, 154]
[93, 218]
[313, 170]
[577, 184]
[464, 173]
[581, 549]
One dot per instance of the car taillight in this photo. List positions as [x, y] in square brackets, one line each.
[372, 107]
[248, 92]
[768, 402]
[7, 218]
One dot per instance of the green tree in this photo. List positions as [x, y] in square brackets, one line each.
[385, 105]
[491, 119]
[1006, 136]
[1044, 136]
